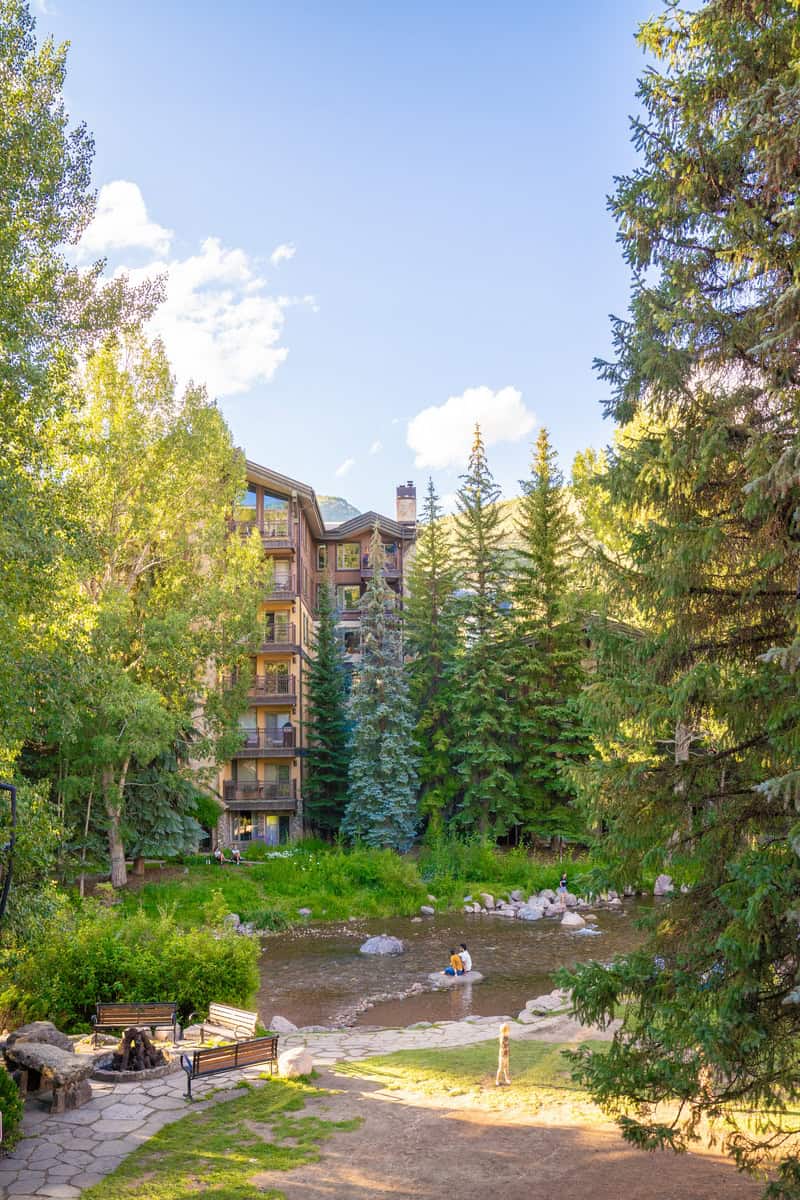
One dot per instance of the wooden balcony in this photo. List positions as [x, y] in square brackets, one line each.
[277, 742]
[281, 589]
[261, 797]
[391, 566]
[280, 639]
[275, 534]
[272, 689]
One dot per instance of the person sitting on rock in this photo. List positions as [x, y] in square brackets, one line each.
[456, 965]
[236, 855]
[466, 958]
[219, 856]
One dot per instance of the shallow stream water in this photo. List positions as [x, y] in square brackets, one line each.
[315, 975]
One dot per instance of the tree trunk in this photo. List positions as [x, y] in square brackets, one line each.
[138, 865]
[112, 794]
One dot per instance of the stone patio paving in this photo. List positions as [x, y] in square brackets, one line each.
[60, 1155]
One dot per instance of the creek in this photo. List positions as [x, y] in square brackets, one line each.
[315, 975]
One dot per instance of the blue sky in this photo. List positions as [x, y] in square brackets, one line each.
[368, 211]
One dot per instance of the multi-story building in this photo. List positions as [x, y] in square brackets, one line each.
[262, 786]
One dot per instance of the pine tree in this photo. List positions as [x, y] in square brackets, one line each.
[382, 804]
[545, 652]
[431, 640]
[483, 724]
[697, 713]
[325, 784]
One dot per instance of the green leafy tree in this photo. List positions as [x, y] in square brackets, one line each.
[483, 722]
[166, 600]
[697, 717]
[328, 728]
[432, 642]
[546, 653]
[382, 802]
[51, 315]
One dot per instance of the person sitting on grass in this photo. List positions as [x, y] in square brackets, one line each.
[466, 958]
[456, 965]
[219, 855]
[236, 855]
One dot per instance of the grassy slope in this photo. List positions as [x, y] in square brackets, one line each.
[336, 884]
[217, 1151]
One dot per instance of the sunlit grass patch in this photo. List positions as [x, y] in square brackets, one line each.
[535, 1067]
[216, 1152]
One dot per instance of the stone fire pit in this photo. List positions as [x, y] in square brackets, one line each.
[135, 1059]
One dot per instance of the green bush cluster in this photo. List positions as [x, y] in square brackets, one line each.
[91, 953]
[11, 1107]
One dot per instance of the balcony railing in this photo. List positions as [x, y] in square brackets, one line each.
[259, 792]
[391, 565]
[281, 589]
[272, 686]
[278, 636]
[276, 533]
[275, 740]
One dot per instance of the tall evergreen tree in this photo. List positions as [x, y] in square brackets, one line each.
[483, 722]
[325, 786]
[698, 718]
[382, 805]
[432, 640]
[546, 652]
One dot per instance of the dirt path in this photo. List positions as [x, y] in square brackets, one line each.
[411, 1146]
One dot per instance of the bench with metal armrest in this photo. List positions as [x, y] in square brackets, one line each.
[214, 1059]
[223, 1021]
[121, 1016]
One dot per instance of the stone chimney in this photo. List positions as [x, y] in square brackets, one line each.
[407, 503]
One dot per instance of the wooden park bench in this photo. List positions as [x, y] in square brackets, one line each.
[214, 1059]
[224, 1021]
[121, 1016]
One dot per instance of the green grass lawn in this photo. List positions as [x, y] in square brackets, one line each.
[536, 1068]
[337, 884]
[217, 1151]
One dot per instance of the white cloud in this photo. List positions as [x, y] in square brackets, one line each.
[282, 253]
[121, 223]
[344, 467]
[43, 7]
[220, 324]
[376, 447]
[441, 436]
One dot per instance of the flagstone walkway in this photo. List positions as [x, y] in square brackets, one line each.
[61, 1155]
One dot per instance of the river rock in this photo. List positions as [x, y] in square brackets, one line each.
[294, 1062]
[547, 894]
[487, 900]
[572, 920]
[304, 912]
[549, 1002]
[571, 900]
[382, 944]
[232, 920]
[663, 885]
[282, 1025]
[468, 899]
[416, 920]
[615, 902]
[43, 1032]
[431, 899]
[426, 910]
[530, 912]
[628, 891]
[516, 894]
[441, 980]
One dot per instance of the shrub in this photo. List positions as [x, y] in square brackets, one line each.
[93, 954]
[11, 1107]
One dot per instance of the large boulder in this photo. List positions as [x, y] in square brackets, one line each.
[487, 900]
[530, 912]
[663, 885]
[572, 920]
[426, 910]
[382, 944]
[547, 894]
[294, 1062]
[516, 894]
[441, 980]
[43, 1032]
[571, 900]
[282, 1025]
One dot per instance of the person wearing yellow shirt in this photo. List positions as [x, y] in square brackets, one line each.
[456, 965]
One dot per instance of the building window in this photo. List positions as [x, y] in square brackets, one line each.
[244, 770]
[276, 516]
[348, 556]
[322, 558]
[351, 640]
[348, 597]
[243, 827]
[245, 510]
